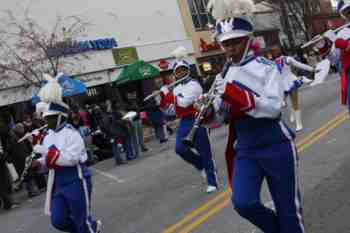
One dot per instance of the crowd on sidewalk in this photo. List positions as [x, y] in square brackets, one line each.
[108, 129]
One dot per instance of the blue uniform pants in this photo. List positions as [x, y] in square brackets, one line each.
[278, 165]
[70, 209]
[202, 144]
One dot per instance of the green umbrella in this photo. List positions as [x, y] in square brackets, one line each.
[139, 70]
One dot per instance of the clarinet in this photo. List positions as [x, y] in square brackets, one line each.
[191, 137]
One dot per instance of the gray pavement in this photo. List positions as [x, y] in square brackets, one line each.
[159, 189]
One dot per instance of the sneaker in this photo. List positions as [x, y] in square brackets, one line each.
[99, 226]
[211, 189]
[144, 149]
[33, 194]
[163, 141]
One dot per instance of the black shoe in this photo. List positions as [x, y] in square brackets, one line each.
[120, 162]
[42, 190]
[163, 141]
[33, 194]
[144, 149]
[10, 206]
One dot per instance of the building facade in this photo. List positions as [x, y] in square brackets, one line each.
[197, 22]
[145, 30]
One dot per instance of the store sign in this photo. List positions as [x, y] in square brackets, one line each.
[125, 56]
[76, 47]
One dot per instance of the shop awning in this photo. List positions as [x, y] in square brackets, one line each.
[139, 70]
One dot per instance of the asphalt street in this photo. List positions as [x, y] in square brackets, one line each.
[159, 193]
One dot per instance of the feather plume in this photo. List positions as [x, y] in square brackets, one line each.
[180, 53]
[41, 107]
[51, 91]
[224, 9]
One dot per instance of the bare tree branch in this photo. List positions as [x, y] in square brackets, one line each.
[25, 45]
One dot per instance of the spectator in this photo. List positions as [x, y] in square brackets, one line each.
[157, 119]
[5, 179]
[6, 186]
[18, 153]
[117, 133]
[136, 129]
[83, 114]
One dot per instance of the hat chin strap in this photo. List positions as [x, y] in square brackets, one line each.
[246, 51]
[59, 119]
[245, 54]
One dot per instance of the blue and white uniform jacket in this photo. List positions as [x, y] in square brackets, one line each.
[253, 100]
[70, 163]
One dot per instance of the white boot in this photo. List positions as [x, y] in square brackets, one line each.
[292, 115]
[99, 227]
[298, 121]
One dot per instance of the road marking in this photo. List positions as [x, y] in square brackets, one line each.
[108, 175]
[210, 213]
[321, 129]
[302, 145]
[198, 211]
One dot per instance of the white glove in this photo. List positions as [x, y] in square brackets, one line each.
[220, 85]
[40, 149]
[330, 35]
[164, 89]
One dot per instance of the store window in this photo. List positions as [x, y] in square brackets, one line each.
[200, 16]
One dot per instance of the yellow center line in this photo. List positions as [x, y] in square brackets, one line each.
[196, 212]
[322, 128]
[216, 209]
[223, 196]
[302, 146]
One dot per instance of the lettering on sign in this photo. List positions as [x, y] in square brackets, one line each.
[76, 47]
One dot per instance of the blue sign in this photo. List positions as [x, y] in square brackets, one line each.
[76, 47]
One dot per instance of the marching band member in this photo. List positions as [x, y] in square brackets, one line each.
[182, 99]
[342, 50]
[260, 145]
[63, 152]
[292, 83]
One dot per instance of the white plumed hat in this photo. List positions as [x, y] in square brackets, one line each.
[51, 102]
[180, 54]
[232, 18]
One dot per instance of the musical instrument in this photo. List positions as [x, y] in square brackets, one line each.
[130, 116]
[29, 135]
[204, 107]
[172, 85]
[321, 36]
